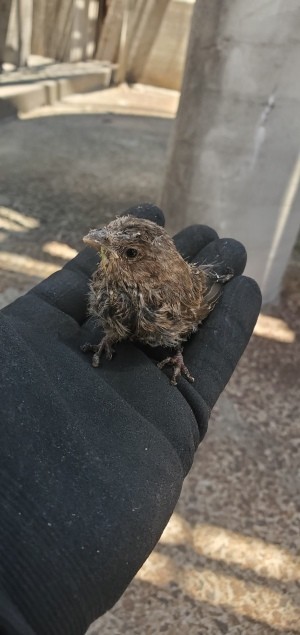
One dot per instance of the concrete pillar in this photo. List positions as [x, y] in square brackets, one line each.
[234, 156]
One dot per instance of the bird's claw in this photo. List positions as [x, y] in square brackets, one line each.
[97, 349]
[87, 348]
[179, 367]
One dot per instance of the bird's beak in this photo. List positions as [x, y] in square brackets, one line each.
[99, 240]
[96, 238]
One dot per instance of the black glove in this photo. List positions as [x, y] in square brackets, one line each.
[94, 459]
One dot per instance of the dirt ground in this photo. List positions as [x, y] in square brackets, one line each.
[72, 167]
[228, 561]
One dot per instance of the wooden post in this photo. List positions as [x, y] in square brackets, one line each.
[60, 28]
[128, 8]
[24, 30]
[38, 37]
[148, 20]
[5, 7]
[102, 11]
[108, 45]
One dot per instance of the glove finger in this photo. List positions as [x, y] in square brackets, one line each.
[191, 240]
[148, 211]
[213, 352]
[226, 255]
[67, 290]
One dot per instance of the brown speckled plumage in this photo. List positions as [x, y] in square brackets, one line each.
[144, 290]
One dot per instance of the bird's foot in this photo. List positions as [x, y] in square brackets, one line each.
[104, 346]
[179, 367]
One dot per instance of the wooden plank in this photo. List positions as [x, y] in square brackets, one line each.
[39, 27]
[50, 22]
[144, 37]
[5, 7]
[129, 6]
[139, 8]
[24, 29]
[94, 13]
[60, 30]
[102, 11]
[108, 45]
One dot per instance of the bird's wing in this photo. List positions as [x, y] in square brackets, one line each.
[212, 294]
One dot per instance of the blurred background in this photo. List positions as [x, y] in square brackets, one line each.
[192, 105]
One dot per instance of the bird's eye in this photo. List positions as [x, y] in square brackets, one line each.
[131, 253]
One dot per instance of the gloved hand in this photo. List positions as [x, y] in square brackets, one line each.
[93, 460]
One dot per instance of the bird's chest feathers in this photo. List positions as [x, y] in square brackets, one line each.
[118, 307]
[127, 312]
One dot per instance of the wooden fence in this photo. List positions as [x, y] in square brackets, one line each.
[118, 31]
[75, 30]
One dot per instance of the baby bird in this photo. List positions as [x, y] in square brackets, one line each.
[144, 291]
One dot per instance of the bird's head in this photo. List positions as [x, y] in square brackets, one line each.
[132, 248]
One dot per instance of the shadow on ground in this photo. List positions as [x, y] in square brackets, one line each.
[61, 175]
